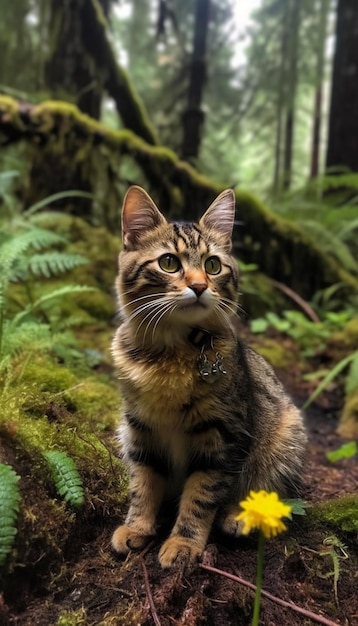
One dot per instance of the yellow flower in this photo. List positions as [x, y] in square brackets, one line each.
[264, 511]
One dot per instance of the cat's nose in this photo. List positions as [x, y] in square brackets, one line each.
[198, 288]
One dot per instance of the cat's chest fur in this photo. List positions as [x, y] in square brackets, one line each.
[167, 390]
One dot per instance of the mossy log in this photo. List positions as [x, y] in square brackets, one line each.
[60, 133]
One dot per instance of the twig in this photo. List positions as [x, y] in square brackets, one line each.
[306, 308]
[148, 591]
[313, 616]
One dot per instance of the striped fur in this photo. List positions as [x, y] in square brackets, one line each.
[205, 444]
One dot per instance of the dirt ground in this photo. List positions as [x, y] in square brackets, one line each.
[301, 566]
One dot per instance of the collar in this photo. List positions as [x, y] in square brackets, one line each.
[201, 338]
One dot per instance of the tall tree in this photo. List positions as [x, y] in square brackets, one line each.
[318, 97]
[292, 78]
[343, 118]
[193, 117]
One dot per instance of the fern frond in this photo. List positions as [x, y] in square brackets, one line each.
[9, 508]
[331, 243]
[30, 335]
[14, 247]
[52, 295]
[66, 478]
[74, 193]
[47, 264]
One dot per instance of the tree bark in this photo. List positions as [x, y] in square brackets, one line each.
[294, 22]
[281, 95]
[193, 117]
[317, 112]
[343, 119]
[82, 63]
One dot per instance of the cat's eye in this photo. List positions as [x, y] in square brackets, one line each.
[212, 265]
[169, 263]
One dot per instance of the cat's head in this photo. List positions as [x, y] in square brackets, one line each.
[176, 276]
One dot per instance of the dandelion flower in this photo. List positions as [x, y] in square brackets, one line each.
[264, 511]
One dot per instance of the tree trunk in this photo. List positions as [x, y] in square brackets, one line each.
[69, 70]
[294, 21]
[193, 117]
[343, 119]
[82, 63]
[281, 95]
[317, 114]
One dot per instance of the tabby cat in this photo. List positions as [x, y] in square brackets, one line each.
[204, 417]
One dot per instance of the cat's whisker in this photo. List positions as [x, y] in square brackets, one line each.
[149, 295]
[161, 313]
[171, 309]
[144, 306]
[153, 309]
[156, 308]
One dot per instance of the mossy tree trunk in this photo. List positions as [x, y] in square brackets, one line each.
[280, 249]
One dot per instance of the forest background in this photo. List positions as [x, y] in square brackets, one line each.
[179, 97]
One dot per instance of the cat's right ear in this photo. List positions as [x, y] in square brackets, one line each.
[139, 215]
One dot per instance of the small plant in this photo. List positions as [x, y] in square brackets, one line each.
[26, 253]
[309, 335]
[66, 478]
[9, 508]
[345, 451]
[351, 382]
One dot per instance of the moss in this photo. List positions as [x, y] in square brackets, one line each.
[48, 375]
[276, 353]
[72, 618]
[341, 513]
[97, 401]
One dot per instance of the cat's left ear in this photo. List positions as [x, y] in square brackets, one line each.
[139, 215]
[220, 216]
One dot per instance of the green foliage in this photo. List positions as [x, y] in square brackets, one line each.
[331, 220]
[26, 254]
[349, 360]
[345, 451]
[9, 508]
[309, 335]
[298, 506]
[66, 478]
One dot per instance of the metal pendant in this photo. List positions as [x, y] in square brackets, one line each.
[210, 371]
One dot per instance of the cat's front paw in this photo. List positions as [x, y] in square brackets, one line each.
[178, 551]
[230, 525]
[125, 539]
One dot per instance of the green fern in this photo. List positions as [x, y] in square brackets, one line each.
[47, 264]
[331, 243]
[66, 478]
[9, 508]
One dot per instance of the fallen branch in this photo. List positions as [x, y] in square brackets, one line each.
[290, 605]
[306, 308]
[148, 591]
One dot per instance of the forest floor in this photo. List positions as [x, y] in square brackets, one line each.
[308, 565]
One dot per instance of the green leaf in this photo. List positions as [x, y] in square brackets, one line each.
[259, 326]
[346, 451]
[298, 506]
[330, 376]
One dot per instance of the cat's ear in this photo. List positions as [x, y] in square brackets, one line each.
[220, 216]
[139, 215]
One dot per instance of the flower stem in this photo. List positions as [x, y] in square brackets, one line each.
[259, 571]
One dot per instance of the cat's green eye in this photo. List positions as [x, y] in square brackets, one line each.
[169, 263]
[212, 265]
